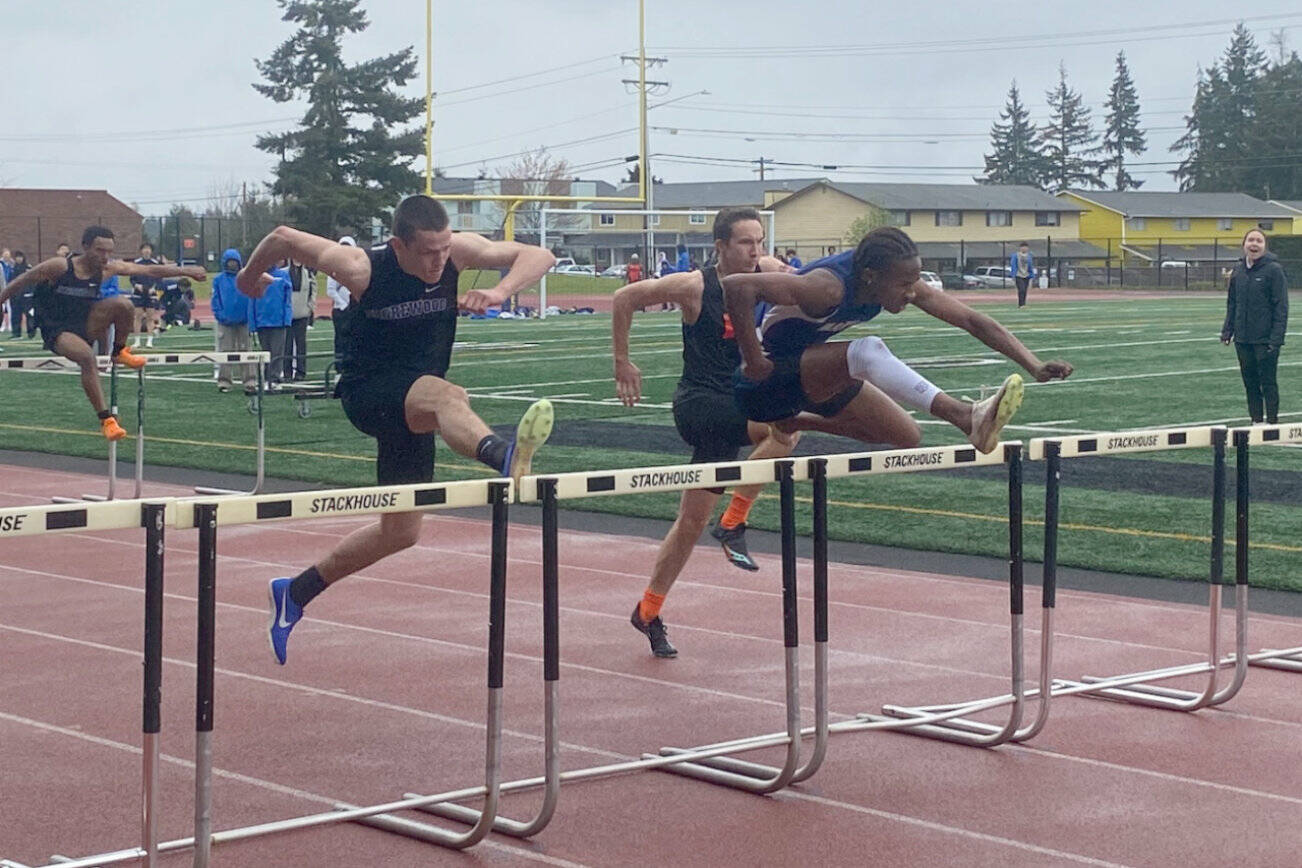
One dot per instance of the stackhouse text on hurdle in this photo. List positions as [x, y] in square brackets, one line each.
[354, 501]
[671, 477]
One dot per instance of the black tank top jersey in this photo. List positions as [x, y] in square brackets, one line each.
[400, 324]
[68, 297]
[710, 353]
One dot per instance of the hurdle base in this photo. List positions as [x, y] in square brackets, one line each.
[1147, 695]
[961, 724]
[1286, 663]
[727, 771]
[411, 829]
[966, 732]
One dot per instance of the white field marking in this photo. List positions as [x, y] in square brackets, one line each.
[457, 646]
[944, 828]
[1185, 332]
[563, 396]
[1038, 426]
[1198, 782]
[1151, 773]
[1235, 421]
[998, 625]
[604, 402]
[531, 855]
[1074, 380]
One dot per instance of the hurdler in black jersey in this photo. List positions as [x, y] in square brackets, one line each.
[66, 292]
[393, 350]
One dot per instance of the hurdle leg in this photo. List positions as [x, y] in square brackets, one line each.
[154, 519]
[1153, 696]
[951, 725]
[501, 492]
[206, 519]
[751, 777]
[256, 405]
[140, 432]
[551, 699]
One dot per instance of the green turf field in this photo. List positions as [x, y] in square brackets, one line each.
[1139, 363]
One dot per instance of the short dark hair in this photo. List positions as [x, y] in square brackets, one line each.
[143, 245]
[18, 253]
[419, 213]
[1023, 244]
[882, 247]
[791, 251]
[726, 218]
[92, 232]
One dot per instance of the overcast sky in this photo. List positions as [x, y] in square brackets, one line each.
[152, 100]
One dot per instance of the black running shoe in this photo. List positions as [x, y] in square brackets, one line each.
[655, 631]
[734, 546]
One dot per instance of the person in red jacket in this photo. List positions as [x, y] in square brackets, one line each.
[634, 269]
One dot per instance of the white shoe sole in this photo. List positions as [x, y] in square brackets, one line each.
[1009, 398]
[534, 429]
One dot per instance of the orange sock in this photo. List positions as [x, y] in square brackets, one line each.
[649, 609]
[736, 512]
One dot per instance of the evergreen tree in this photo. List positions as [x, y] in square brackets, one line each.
[1122, 134]
[342, 166]
[1016, 156]
[1218, 143]
[1274, 169]
[1070, 140]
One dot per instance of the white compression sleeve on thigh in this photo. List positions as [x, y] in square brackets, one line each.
[870, 360]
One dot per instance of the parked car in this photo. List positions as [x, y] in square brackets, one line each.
[992, 275]
[620, 271]
[955, 280]
[933, 280]
[562, 262]
[576, 269]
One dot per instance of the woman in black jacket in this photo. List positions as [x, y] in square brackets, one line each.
[1256, 317]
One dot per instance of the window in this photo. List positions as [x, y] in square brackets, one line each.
[464, 207]
[607, 219]
[1137, 223]
[1048, 218]
[1181, 224]
[696, 219]
[949, 218]
[1266, 225]
[999, 218]
[1225, 224]
[653, 220]
[898, 218]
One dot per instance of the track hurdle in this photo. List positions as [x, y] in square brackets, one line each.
[1287, 659]
[1134, 687]
[119, 515]
[948, 721]
[58, 363]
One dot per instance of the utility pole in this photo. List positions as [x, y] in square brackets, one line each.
[644, 165]
[244, 215]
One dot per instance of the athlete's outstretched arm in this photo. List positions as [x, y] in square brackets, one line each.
[132, 269]
[683, 288]
[44, 272]
[987, 330]
[348, 265]
[816, 293]
[527, 264]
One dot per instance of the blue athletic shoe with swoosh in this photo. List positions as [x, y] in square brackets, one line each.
[285, 613]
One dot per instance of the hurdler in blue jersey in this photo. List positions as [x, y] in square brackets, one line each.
[791, 369]
[393, 356]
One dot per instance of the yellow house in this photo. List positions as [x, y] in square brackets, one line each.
[1294, 205]
[951, 222]
[1179, 223]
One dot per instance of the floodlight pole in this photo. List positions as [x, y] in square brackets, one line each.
[429, 97]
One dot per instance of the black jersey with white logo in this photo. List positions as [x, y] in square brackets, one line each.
[400, 324]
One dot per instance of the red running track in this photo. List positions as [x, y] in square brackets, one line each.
[384, 693]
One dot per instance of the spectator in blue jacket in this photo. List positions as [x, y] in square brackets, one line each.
[231, 309]
[684, 262]
[272, 315]
[1021, 265]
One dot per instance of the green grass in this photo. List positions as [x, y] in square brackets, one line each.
[1139, 362]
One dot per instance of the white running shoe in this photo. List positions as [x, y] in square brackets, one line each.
[534, 429]
[991, 415]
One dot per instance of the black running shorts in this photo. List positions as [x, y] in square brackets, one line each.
[376, 407]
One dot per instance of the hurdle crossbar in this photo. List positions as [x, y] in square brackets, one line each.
[1134, 687]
